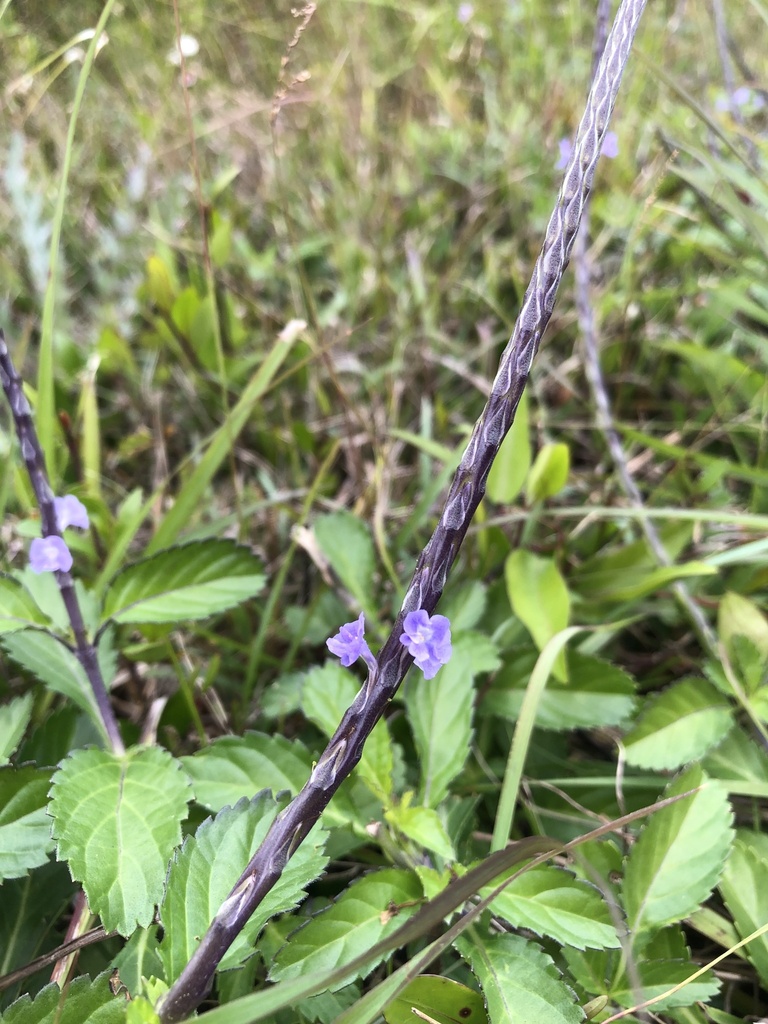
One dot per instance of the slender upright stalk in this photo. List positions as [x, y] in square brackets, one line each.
[345, 748]
[34, 460]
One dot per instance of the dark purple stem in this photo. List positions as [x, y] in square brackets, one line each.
[32, 455]
[467, 489]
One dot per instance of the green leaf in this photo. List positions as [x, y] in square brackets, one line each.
[679, 856]
[138, 959]
[423, 826]
[511, 465]
[744, 887]
[207, 867]
[56, 666]
[549, 473]
[596, 694]
[81, 1002]
[737, 616]
[739, 759]
[539, 598]
[18, 609]
[346, 542]
[438, 999]
[25, 828]
[365, 913]
[552, 902]
[14, 719]
[440, 713]
[519, 980]
[679, 725]
[117, 820]
[191, 581]
[326, 695]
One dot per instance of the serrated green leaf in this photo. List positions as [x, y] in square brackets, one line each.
[740, 759]
[81, 1002]
[659, 976]
[552, 902]
[54, 665]
[679, 725]
[539, 598]
[440, 713]
[14, 719]
[25, 828]
[519, 980]
[18, 609]
[744, 887]
[422, 825]
[207, 867]
[738, 616]
[679, 856]
[365, 913]
[326, 695]
[549, 473]
[117, 820]
[597, 693]
[511, 465]
[191, 581]
[346, 542]
[438, 999]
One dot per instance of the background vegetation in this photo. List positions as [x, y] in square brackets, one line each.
[385, 177]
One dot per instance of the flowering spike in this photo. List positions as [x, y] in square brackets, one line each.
[49, 554]
[349, 644]
[428, 640]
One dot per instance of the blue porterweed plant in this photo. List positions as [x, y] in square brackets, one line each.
[198, 868]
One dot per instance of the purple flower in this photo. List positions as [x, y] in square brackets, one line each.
[465, 12]
[70, 512]
[49, 554]
[349, 644]
[428, 640]
[610, 149]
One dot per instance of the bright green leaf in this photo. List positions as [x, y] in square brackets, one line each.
[423, 826]
[744, 887]
[549, 473]
[117, 820]
[738, 616]
[679, 856]
[439, 999]
[14, 719]
[511, 465]
[539, 598]
[346, 542]
[327, 693]
[208, 866]
[519, 980]
[81, 1002]
[365, 913]
[18, 609]
[440, 713]
[679, 725]
[552, 902]
[191, 581]
[25, 828]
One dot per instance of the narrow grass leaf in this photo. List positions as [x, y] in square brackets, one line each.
[18, 609]
[519, 980]
[117, 820]
[25, 828]
[440, 713]
[207, 867]
[14, 719]
[680, 855]
[326, 695]
[366, 912]
[82, 1002]
[678, 726]
[553, 903]
[191, 581]
[744, 887]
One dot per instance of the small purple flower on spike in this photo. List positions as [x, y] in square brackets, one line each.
[610, 149]
[49, 554]
[70, 511]
[349, 644]
[428, 640]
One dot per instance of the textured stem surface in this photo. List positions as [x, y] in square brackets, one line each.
[33, 458]
[345, 748]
